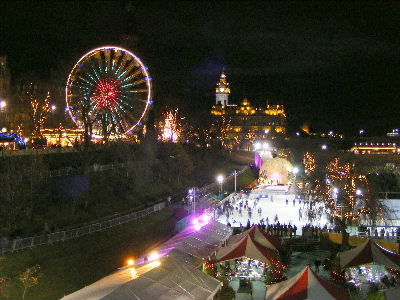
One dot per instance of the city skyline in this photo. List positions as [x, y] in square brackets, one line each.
[332, 65]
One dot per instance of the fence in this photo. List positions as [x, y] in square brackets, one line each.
[30, 242]
[60, 236]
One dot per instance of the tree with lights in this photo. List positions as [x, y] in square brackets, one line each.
[276, 272]
[210, 267]
[309, 163]
[345, 184]
[170, 126]
[40, 110]
[220, 130]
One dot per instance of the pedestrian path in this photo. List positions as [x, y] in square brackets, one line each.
[301, 259]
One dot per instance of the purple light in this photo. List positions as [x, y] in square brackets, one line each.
[195, 221]
[197, 227]
[205, 218]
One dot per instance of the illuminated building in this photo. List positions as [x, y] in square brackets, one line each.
[248, 122]
[375, 148]
[64, 137]
[222, 91]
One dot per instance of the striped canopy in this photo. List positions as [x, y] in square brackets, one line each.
[369, 252]
[306, 285]
[258, 235]
[246, 248]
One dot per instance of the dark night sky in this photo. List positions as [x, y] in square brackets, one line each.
[335, 65]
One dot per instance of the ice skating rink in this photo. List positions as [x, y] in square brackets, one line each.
[276, 204]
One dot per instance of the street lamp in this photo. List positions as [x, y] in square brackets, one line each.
[358, 192]
[53, 107]
[295, 170]
[192, 197]
[235, 174]
[3, 104]
[220, 180]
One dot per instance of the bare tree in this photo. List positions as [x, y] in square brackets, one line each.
[29, 278]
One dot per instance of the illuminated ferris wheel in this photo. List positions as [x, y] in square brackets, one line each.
[109, 91]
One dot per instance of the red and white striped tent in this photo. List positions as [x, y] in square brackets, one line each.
[369, 252]
[258, 235]
[246, 248]
[306, 285]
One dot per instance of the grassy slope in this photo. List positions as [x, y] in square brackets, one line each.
[71, 265]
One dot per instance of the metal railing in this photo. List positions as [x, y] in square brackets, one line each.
[60, 236]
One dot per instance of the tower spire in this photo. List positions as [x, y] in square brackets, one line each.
[222, 90]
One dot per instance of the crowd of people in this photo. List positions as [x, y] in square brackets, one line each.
[241, 207]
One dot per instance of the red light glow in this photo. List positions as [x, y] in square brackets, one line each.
[106, 93]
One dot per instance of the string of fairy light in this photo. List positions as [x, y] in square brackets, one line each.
[309, 163]
[170, 127]
[343, 177]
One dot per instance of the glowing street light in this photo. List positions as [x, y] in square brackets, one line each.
[295, 170]
[220, 180]
[257, 146]
[358, 192]
[324, 147]
[3, 104]
[154, 255]
[53, 107]
[131, 262]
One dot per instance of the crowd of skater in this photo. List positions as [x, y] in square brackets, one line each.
[246, 206]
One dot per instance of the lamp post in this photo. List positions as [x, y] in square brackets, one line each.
[220, 180]
[192, 197]
[3, 105]
[53, 108]
[235, 173]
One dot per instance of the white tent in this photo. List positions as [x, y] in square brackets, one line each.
[172, 280]
[177, 276]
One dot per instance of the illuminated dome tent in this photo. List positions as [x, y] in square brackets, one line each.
[276, 171]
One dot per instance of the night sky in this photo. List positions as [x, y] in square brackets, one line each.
[334, 65]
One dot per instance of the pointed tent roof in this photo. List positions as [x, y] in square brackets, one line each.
[258, 235]
[306, 285]
[369, 252]
[246, 247]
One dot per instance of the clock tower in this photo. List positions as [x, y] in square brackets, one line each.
[222, 90]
